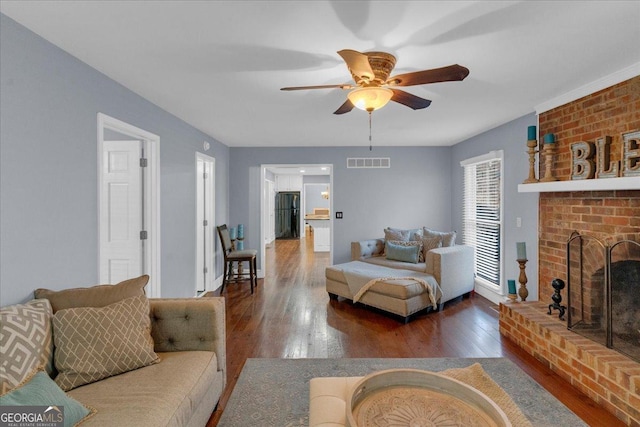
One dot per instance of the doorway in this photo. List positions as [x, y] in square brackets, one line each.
[128, 203]
[269, 173]
[205, 220]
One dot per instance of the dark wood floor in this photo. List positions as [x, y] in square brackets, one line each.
[290, 316]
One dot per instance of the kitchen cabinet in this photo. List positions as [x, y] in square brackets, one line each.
[288, 182]
[321, 234]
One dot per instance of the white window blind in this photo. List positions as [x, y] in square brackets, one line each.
[482, 214]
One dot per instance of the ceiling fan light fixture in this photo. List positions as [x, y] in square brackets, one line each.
[370, 98]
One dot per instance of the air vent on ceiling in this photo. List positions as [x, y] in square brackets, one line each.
[368, 162]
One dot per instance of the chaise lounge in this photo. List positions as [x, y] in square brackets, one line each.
[375, 277]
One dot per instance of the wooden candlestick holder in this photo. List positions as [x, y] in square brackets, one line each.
[549, 151]
[523, 291]
[532, 144]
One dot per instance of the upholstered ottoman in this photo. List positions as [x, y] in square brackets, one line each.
[401, 292]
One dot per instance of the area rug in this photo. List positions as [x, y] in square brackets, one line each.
[275, 392]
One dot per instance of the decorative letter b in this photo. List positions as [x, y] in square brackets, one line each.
[583, 166]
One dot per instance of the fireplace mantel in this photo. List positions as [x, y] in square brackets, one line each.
[602, 184]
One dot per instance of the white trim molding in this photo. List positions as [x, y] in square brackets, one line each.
[152, 214]
[588, 89]
[491, 291]
[209, 201]
[491, 155]
[595, 184]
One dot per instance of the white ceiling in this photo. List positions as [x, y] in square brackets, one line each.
[219, 65]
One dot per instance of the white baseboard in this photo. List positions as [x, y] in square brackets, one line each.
[489, 294]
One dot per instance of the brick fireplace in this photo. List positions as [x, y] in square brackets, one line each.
[608, 377]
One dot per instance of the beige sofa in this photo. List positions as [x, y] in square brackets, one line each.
[184, 388]
[181, 388]
[449, 271]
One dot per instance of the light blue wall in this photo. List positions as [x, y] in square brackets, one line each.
[313, 197]
[414, 192]
[313, 193]
[511, 138]
[48, 180]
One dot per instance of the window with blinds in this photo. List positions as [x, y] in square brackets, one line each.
[482, 214]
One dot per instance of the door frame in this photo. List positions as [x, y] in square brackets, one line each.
[265, 215]
[151, 195]
[210, 283]
[263, 178]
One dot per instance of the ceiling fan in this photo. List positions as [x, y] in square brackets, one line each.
[373, 87]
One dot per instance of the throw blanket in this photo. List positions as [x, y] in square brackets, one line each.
[366, 275]
[422, 283]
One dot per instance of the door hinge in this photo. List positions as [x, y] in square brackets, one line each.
[205, 270]
[205, 175]
[143, 235]
[205, 222]
[143, 162]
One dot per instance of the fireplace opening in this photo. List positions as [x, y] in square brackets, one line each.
[604, 292]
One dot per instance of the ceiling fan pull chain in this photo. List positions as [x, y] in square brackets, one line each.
[370, 147]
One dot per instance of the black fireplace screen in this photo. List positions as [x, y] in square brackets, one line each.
[603, 292]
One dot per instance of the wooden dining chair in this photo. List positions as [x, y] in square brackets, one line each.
[231, 256]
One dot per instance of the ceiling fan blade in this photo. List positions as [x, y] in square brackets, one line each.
[445, 74]
[358, 64]
[344, 86]
[411, 101]
[345, 108]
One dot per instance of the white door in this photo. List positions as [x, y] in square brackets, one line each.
[121, 216]
[205, 196]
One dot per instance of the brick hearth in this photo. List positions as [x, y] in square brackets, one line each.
[606, 376]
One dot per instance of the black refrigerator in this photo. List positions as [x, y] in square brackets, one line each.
[288, 215]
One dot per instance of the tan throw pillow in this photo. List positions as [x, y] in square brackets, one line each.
[429, 243]
[396, 235]
[96, 296]
[410, 243]
[26, 342]
[402, 235]
[95, 343]
[448, 238]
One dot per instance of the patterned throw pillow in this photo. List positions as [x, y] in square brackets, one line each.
[396, 234]
[448, 238]
[95, 296]
[26, 341]
[429, 243]
[400, 235]
[403, 235]
[95, 343]
[410, 243]
[38, 389]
